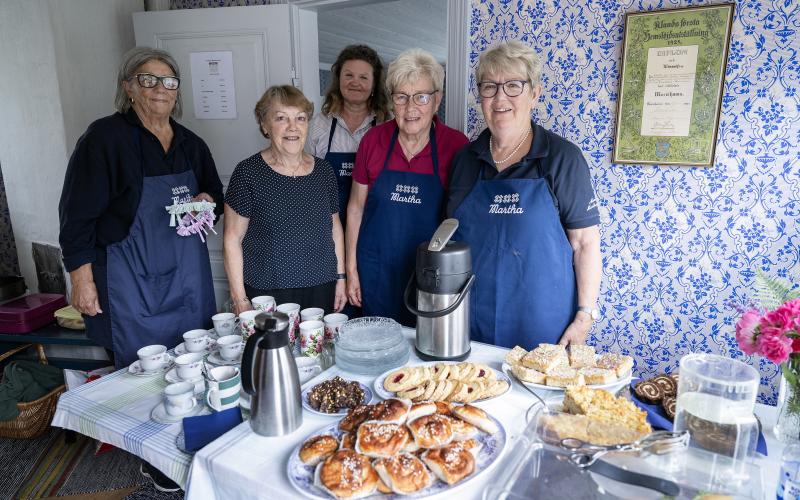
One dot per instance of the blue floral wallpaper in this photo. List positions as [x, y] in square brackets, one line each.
[679, 244]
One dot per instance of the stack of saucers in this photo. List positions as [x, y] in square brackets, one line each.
[371, 345]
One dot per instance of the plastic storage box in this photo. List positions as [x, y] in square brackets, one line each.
[28, 313]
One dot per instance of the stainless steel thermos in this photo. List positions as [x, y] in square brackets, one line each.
[443, 278]
[269, 376]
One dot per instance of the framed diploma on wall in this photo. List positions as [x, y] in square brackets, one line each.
[670, 86]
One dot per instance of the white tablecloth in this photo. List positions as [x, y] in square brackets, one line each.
[243, 465]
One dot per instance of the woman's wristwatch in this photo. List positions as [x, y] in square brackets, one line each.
[341, 276]
[593, 313]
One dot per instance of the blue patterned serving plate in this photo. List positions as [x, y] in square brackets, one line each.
[302, 476]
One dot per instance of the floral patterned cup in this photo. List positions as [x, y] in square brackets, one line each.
[247, 323]
[312, 337]
[293, 311]
[264, 303]
[333, 323]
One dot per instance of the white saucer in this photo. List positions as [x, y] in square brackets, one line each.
[160, 415]
[199, 383]
[135, 368]
[215, 359]
[181, 348]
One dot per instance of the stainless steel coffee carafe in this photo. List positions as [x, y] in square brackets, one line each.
[443, 278]
[269, 376]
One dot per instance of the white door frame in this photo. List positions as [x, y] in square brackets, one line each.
[457, 52]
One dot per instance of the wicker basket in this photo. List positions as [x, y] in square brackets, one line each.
[35, 416]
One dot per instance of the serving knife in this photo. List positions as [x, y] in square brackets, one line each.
[611, 471]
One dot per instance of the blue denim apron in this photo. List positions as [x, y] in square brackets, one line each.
[403, 210]
[525, 291]
[342, 164]
[156, 284]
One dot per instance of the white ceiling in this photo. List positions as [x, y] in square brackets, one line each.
[389, 27]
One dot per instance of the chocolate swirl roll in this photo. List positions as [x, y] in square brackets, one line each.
[649, 391]
[666, 384]
[668, 404]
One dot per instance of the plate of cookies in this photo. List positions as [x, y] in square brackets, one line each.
[397, 447]
[552, 367]
[451, 382]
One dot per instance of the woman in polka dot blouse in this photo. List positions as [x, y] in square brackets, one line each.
[283, 236]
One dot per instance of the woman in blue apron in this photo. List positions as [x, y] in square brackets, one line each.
[526, 207]
[134, 278]
[398, 188]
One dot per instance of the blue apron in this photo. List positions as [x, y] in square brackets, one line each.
[525, 291]
[403, 210]
[342, 164]
[155, 284]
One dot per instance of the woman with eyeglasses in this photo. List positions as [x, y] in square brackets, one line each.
[525, 203]
[134, 278]
[398, 188]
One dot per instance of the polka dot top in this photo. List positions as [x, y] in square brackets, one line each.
[289, 239]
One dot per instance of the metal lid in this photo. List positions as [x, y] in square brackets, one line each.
[270, 322]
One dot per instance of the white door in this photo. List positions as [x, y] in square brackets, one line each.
[268, 45]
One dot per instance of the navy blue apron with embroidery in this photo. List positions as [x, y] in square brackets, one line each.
[156, 284]
[525, 291]
[403, 210]
[342, 164]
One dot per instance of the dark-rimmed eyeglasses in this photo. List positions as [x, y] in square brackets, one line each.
[420, 98]
[512, 88]
[149, 80]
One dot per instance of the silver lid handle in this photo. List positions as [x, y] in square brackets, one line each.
[443, 234]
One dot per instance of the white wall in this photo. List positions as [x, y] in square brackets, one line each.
[59, 62]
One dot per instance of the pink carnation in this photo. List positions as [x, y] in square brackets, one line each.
[746, 331]
[796, 344]
[776, 348]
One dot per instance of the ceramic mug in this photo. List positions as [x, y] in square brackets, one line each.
[230, 347]
[247, 322]
[312, 314]
[223, 386]
[307, 368]
[195, 340]
[189, 366]
[312, 337]
[333, 323]
[224, 323]
[152, 357]
[293, 311]
[264, 303]
[179, 398]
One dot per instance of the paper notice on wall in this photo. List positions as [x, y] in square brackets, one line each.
[213, 87]
[669, 90]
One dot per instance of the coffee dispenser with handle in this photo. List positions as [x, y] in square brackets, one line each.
[269, 376]
[443, 278]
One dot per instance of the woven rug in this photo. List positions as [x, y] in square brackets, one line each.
[48, 466]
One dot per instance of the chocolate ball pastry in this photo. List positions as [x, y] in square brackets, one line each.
[347, 474]
[649, 392]
[404, 473]
[318, 448]
[332, 395]
[668, 404]
[380, 439]
[666, 384]
[431, 431]
[451, 463]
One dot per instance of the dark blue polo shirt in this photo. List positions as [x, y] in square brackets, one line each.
[551, 156]
[103, 183]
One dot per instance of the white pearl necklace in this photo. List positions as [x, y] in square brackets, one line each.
[491, 149]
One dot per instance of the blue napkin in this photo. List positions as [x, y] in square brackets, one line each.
[201, 430]
[658, 419]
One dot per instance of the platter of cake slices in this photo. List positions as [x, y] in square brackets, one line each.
[553, 367]
[396, 447]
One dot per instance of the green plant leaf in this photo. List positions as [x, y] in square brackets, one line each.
[772, 292]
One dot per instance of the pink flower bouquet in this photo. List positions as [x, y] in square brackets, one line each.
[774, 335]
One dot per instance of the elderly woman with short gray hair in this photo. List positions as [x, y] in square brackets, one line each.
[525, 204]
[398, 187]
[137, 280]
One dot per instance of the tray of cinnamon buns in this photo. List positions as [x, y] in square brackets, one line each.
[452, 382]
[397, 447]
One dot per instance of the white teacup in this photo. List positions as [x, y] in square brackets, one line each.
[333, 323]
[307, 368]
[224, 323]
[195, 340]
[230, 347]
[223, 386]
[179, 398]
[152, 357]
[247, 322]
[312, 337]
[264, 303]
[189, 366]
[312, 314]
